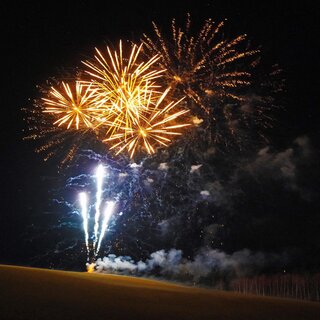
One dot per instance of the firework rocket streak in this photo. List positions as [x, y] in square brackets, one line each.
[107, 214]
[99, 177]
[84, 212]
[108, 211]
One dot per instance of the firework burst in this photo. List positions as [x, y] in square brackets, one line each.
[216, 75]
[74, 110]
[121, 84]
[156, 126]
[122, 100]
[122, 96]
[57, 141]
[202, 64]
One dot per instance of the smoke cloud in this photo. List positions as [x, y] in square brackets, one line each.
[206, 267]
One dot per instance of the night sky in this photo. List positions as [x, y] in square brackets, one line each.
[275, 211]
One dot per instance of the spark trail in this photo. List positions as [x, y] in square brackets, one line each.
[84, 212]
[107, 214]
[108, 211]
[100, 174]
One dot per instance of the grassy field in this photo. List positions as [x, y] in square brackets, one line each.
[28, 293]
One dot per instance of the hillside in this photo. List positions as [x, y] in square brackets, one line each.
[28, 293]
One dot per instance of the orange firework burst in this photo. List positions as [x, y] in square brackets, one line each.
[121, 84]
[201, 65]
[59, 142]
[122, 103]
[73, 109]
[123, 100]
[156, 126]
[216, 75]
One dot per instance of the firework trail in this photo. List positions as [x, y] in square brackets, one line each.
[100, 174]
[108, 210]
[84, 212]
[107, 214]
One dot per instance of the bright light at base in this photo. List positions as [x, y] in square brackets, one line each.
[90, 267]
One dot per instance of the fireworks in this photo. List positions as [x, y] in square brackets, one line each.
[85, 213]
[99, 177]
[156, 126]
[201, 65]
[122, 85]
[122, 99]
[107, 214]
[215, 74]
[120, 106]
[135, 99]
[58, 142]
[73, 109]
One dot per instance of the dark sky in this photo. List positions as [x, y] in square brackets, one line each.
[40, 39]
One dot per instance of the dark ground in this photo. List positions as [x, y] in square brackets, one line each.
[28, 293]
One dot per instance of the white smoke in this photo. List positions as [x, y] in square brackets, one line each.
[163, 166]
[195, 168]
[123, 174]
[205, 193]
[135, 165]
[287, 166]
[114, 263]
[206, 263]
[147, 182]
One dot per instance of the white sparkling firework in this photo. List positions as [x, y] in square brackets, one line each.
[84, 212]
[109, 208]
[100, 174]
[107, 215]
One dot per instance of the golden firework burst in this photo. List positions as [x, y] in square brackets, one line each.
[121, 83]
[156, 126]
[202, 65]
[74, 109]
[123, 103]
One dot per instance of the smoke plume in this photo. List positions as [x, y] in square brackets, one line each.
[207, 266]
